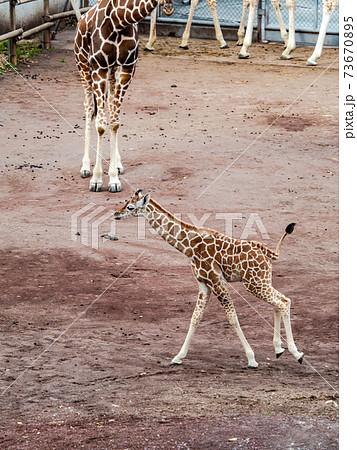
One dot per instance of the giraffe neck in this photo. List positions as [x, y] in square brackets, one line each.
[177, 233]
[126, 12]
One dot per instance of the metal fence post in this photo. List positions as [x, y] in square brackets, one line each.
[12, 41]
[46, 36]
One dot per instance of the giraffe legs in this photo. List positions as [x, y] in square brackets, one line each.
[283, 32]
[118, 84]
[320, 40]
[291, 4]
[152, 38]
[219, 36]
[242, 22]
[89, 111]
[281, 309]
[243, 54]
[279, 350]
[186, 33]
[100, 88]
[223, 296]
[201, 303]
[213, 7]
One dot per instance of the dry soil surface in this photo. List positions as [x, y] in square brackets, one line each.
[89, 325]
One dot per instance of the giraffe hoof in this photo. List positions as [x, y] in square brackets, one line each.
[85, 173]
[176, 362]
[183, 47]
[147, 49]
[301, 358]
[253, 365]
[114, 187]
[225, 46]
[95, 187]
[243, 56]
[279, 354]
[285, 57]
[311, 63]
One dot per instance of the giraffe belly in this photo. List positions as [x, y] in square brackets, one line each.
[232, 275]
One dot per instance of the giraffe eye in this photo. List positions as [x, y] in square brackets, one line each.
[130, 208]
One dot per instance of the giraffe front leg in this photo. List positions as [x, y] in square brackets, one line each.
[186, 33]
[152, 38]
[283, 32]
[320, 40]
[100, 87]
[115, 165]
[89, 108]
[227, 303]
[96, 182]
[219, 36]
[243, 54]
[242, 22]
[118, 84]
[201, 303]
[291, 4]
[89, 112]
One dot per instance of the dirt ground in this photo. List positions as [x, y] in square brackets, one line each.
[87, 334]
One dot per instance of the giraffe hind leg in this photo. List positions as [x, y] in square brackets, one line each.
[281, 303]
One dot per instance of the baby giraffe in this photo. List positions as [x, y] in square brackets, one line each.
[217, 260]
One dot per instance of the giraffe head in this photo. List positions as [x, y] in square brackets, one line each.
[134, 207]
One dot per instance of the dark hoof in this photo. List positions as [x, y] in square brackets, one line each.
[300, 359]
[85, 173]
[183, 47]
[95, 187]
[175, 363]
[243, 56]
[283, 57]
[114, 187]
[225, 46]
[148, 49]
[279, 354]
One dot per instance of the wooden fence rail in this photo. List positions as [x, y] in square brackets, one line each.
[48, 21]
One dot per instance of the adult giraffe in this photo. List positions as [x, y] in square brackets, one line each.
[106, 52]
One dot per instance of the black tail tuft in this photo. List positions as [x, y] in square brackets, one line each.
[95, 112]
[290, 228]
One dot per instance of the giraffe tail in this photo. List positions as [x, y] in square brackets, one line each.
[288, 230]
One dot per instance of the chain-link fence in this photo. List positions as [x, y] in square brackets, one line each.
[307, 18]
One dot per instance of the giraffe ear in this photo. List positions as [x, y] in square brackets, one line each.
[144, 200]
